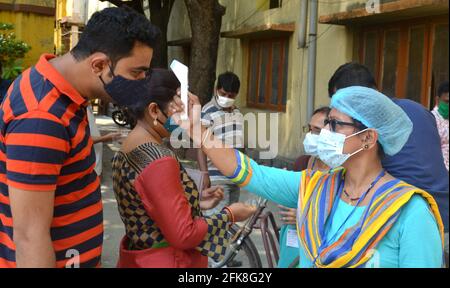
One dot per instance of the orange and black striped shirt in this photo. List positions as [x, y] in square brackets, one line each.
[45, 145]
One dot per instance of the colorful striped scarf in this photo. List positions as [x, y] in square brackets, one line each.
[319, 192]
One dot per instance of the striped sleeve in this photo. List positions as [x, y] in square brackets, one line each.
[277, 185]
[37, 145]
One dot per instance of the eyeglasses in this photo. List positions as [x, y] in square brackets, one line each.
[333, 123]
[311, 129]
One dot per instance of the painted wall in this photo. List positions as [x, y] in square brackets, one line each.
[34, 29]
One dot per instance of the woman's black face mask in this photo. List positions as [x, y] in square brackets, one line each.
[125, 92]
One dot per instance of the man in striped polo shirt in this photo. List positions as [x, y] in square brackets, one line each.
[50, 201]
[226, 122]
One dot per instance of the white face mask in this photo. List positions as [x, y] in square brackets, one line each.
[225, 102]
[330, 148]
[310, 144]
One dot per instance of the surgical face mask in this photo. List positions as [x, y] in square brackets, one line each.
[225, 102]
[126, 92]
[443, 109]
[170, 125]
[330, 147]
[310, 144]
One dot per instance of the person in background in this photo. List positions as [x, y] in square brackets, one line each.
[98, 140]
[51, 204]
[224, 118]
[440, 112]
[4, 84]
[288, 232]
[315, 125]
[420, 162]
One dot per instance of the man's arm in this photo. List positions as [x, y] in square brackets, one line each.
[32, 213]
[203, 166]
[106, 138]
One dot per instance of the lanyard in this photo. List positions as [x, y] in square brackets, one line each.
[333, 211]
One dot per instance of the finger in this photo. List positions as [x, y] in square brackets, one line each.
[284, 213]
[193, 98]
[177, 104]
[283, 208]
[209, 191]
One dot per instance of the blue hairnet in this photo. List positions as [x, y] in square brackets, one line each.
[375, 110]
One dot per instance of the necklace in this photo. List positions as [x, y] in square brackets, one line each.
[350, 198]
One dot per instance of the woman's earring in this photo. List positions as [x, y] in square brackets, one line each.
[366, 146]
[155, 122]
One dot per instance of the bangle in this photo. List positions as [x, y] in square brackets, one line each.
[208, 131]
[233, 220]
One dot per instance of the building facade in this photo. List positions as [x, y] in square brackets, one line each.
[403, 42]
[34, 22]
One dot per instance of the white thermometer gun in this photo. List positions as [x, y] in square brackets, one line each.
[182, 72]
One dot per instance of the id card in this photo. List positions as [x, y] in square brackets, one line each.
[292, 238]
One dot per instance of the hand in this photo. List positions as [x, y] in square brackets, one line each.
[112, 136]
[194, 111]
[211, 197]
[242, 211]
[288, 215]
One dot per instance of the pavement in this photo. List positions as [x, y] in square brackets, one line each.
[114, 228]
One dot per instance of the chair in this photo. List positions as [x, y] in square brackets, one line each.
[270, 237]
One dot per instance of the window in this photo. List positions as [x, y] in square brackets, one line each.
[268, 66]
[275, 4]
[409, 59]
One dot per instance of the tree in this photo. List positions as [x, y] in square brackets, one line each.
[206, 21]
[11, 51]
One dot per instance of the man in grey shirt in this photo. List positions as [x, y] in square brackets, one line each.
[226, 121]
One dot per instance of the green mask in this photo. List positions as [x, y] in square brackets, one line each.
[443, 109]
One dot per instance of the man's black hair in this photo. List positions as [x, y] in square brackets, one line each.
[115, 31]
[351, 74]
[443, 88]
[323, 110]
[229, 82]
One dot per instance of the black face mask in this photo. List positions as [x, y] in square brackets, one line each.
[127, 92]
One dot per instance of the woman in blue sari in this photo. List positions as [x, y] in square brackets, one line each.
[356, 215]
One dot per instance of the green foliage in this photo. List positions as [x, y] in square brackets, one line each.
[11, 51]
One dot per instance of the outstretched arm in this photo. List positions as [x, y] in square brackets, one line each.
[277, 185]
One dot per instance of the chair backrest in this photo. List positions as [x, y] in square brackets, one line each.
[271, 238]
